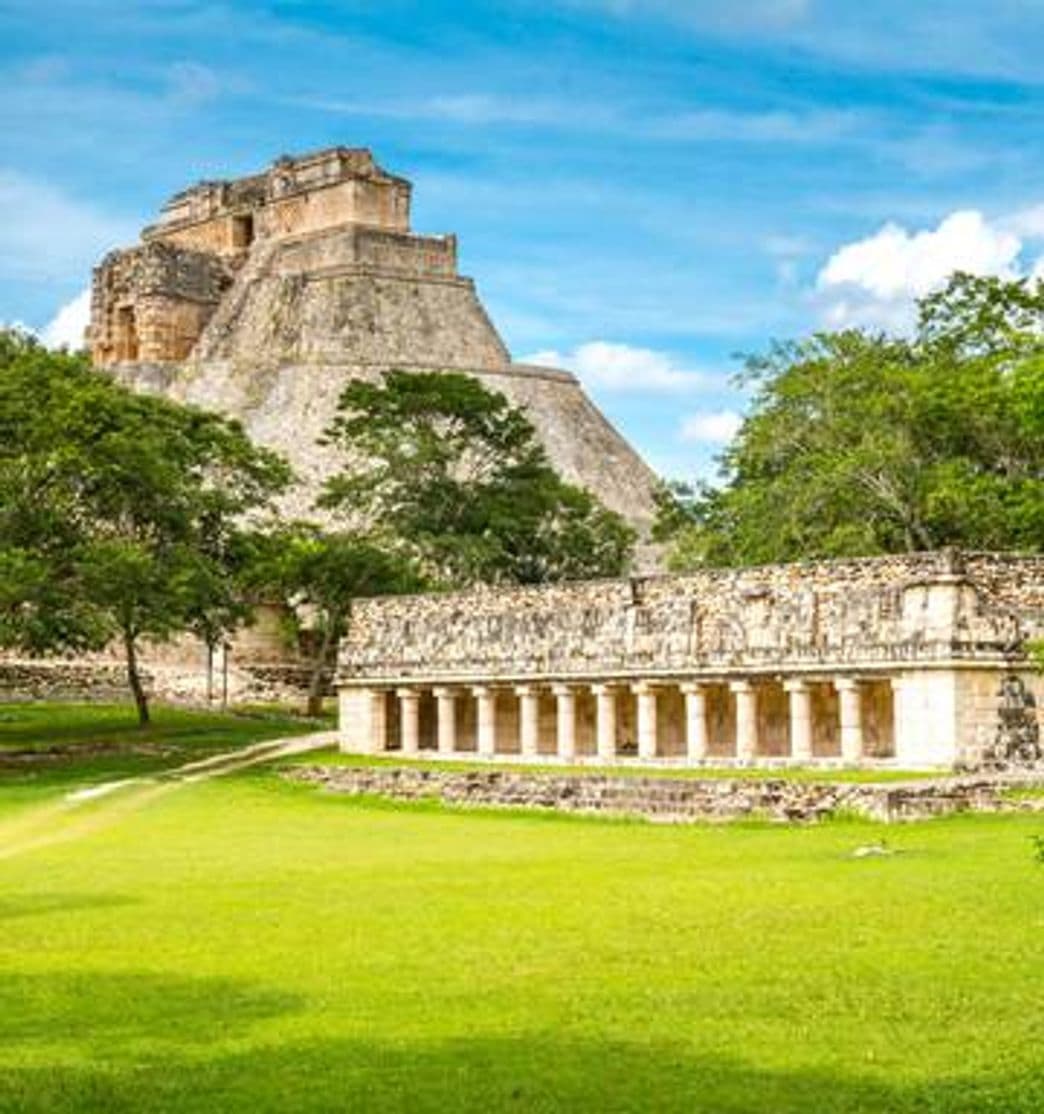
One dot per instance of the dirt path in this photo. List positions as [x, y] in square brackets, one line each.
[85, 811]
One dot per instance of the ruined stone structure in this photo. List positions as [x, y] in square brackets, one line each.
[261, 297]
[901, 660]
[684, 800]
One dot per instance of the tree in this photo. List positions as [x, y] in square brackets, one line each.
[861, 443]
[451, 473]
[120, 514]
[318, 574]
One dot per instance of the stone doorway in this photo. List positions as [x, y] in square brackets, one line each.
[127, 346]
[243, 231]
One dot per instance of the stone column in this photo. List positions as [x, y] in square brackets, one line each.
[746, 719]
[528, 720]
[566, 697]
[446, 704]
[800, 697]
[605, 695]
[695, 721]
[851, 719]
[409, 720]
[648, 728]
[487, 720]
[362, 720]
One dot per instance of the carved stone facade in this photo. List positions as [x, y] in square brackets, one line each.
[896, 659]
[262, 297]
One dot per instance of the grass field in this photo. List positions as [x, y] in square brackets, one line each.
[249, 945]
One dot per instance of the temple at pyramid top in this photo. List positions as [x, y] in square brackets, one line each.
[341, 185]
[152, 303]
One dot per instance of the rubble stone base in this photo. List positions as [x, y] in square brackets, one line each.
[684, 800]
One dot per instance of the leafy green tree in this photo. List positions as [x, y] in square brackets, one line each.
[453, 474]
[119, 513]
[861, 443]
[317, 575]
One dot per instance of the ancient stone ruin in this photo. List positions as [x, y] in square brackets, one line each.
[261, 297]
[903, 661]
[1017, 741]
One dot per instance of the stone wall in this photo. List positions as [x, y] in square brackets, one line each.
[384, 319]
[49, 679]
[373, 248]
[170, 681]
[153, 302]
[680, 800]
[265, 665]
[295, 195]
[873, 613]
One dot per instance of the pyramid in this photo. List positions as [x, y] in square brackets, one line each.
[261, 297]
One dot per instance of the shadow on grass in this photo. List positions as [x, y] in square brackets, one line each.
[147, 1040]
[37, 905]
[131, 1016]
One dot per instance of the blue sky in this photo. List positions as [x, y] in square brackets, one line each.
[642, 188]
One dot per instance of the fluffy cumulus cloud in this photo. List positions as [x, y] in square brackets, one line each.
[604, 366]
[712, 427]
[875, 281]
[66, 328]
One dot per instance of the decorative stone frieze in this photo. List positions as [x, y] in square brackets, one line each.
[892, 659]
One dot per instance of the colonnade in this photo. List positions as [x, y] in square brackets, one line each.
[802, 719]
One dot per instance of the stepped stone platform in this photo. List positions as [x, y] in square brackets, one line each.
[687, 799]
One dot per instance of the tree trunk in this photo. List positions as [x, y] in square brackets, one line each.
[210, 672]
[319, 663]
[141, 700]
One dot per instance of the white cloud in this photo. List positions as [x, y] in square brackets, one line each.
[1028, 223]
[191, 84]
[479, 109]
[875, 281]
[717, 15]
[66, 328]
[716, 427]
[724, 125]
[52, 236]
[601, 365]
[694, 124]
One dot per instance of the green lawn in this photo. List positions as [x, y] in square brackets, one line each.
[250, 945]
[46, 747]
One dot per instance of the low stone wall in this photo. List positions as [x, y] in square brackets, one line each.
[175, 682]
[63, 680]
[681, 800]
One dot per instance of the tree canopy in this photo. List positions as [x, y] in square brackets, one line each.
[317, 574]
[859, 443]
[454, 475]
[122, 516]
